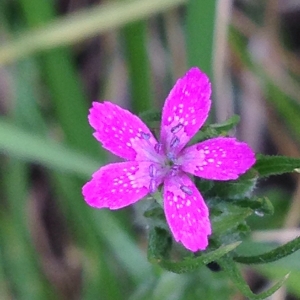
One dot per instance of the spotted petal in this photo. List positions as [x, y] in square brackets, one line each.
[117, 185]
[186, 213]
[218, 159]
[185, 110]
[121, 132]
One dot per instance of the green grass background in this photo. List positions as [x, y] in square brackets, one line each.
[52, 245]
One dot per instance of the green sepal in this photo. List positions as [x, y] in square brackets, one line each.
[156, 216]
[270, 256]
[234, 189]
[229, 218]
[203, 185]
[233, 272]
[154, 211]
[159, 244]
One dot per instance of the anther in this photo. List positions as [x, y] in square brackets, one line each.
[174, 170]
[175, 167]
[186, 190]
[174, 142]
[176, 128]
[158, 148]
[145, 136]
[152, 171]
[152, 186]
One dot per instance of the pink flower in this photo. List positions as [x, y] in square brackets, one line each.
[151, 163]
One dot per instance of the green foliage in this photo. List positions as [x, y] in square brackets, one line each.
[199, 37]
[273, 255]
[234, 274]
[135, 40]
[230, 203]
[31, 147]
[276, 165]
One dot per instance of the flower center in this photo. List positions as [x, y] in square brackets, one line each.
[168, 164]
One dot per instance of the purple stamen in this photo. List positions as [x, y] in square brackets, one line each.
[152, 186]
[175, 167]
[174, 142]
[158, 147]
[176, 128]
[186, 190]
[174, 170]
[152, 171]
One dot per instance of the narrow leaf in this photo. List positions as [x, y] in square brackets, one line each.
[217, 129]
[226, 125]
[275, 165]
[34, 148]
[273, 255]
[191, 264]
[231, 269]
[82, 25]
[261, 206]
[135, 36]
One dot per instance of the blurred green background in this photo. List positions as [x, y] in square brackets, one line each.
[56, 57]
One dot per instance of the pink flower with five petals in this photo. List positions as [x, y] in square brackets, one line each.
[151, 163]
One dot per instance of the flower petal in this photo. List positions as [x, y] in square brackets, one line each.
[186, 213]
[218, 159]
[185, 110]
[117, 185]
[121, 132]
